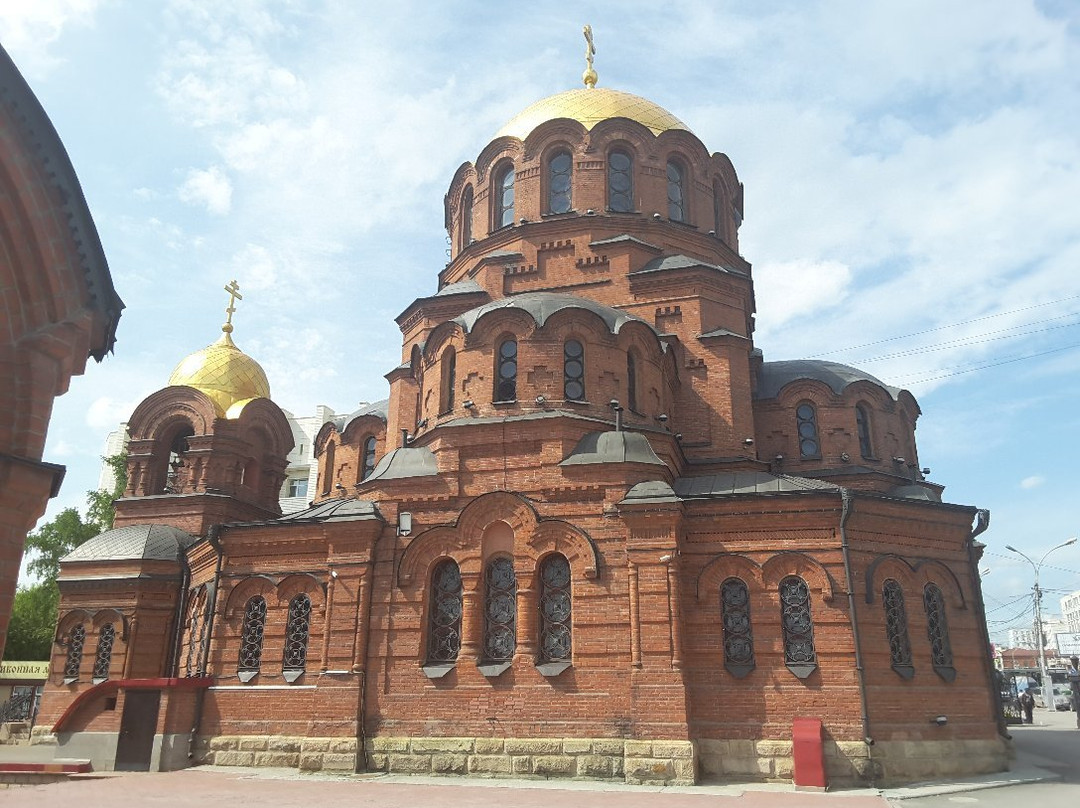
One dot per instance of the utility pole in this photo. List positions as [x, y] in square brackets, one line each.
[1047, 685]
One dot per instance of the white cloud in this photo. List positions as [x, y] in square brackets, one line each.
[209, 188]
[30, 28]
[1032, 482]
[105, 412]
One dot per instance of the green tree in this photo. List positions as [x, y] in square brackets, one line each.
[33, 614]
[33, 620]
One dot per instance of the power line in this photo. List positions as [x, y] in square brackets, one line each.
[974, 339]
[917, 380]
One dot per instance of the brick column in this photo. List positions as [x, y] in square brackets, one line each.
[472, 618]
[528, 628]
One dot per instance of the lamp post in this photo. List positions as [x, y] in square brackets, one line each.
[1047, 685]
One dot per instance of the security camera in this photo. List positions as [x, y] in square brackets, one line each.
[940, 720]
[541, 401]
[748, 441]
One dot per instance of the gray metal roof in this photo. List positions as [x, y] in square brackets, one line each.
[774, 376]
[379, 409]
[651, 491]
[405, 462]
[465, 287]
[336, 510]
[612, 447]
[132, 543]
[542, 305]
[915, 491]
[746, 482]
[624, 238]
[669, 262]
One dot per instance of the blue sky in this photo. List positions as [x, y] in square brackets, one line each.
[912, 171]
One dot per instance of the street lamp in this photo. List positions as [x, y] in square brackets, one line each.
[1047, 685]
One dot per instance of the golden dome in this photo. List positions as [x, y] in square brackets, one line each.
[225, 373]
[589, 106]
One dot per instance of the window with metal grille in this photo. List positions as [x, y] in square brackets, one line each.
[735, 619]
[74, 654]
[251, 638]
[449, 379]
[506, 371]
[896, 628]
[937, 630]
[500, 610]
[620, 182]
[555, 609]
[797, 626]
[196, 630]
[296, 636]
[369, 458]
[676, 192]
[631, 382]
[862, 428]
[104, 652]
[504, 197]
[573, 371]
[560, 169]
[806, 421]
[444, 616]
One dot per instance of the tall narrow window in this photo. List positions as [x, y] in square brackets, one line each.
[104, 652]
[500, 610]
[328, 468]
[506, 372]
[937, 630]
[555, 608]
[369, 458]
[676, 192]
[620, 182]
[862, 426]
[466, 218]
[573, 371]
[251, 638]
[559, 182]
[735, 619]
[631, 382]
[74, 655]
[444, 617]
[504, 197]
[797, 626]
[196, 631]
[449, 381]
[294, 660]
[896, 628]
[718, 209]
[806, 421]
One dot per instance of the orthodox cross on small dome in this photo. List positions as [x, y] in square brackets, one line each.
[589, 76]
[233, 288]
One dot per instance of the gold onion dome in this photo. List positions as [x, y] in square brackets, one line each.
[222, 371]
[589, 106]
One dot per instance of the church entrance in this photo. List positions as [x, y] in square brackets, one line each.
[138, 725]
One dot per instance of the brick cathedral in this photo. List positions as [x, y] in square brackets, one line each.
[590, 532]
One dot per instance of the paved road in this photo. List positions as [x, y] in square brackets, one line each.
[1053, 744]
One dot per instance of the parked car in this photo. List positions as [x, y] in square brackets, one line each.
[1062, 696]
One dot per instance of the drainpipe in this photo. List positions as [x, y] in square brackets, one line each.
[848, 500]
[982, 522]
[365, 615]
[173, 667]
[213, 536]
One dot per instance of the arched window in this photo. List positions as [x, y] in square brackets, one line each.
[620, 182]
[797, 626]
[676, 192]
[74, 654]
[560, 168]
[735, 619]
[466, 218]
[896, 628]
[104, 652]
[177, 449]
[555, 609]
[504, 196]
[806, 420]
[449, 381]
[251, 638]
[937, 630]
[631, 382]
[294, 660]
[368, 463]
[196, 631]
[328, 468]
[506, 371]
[500, 610]
[573, 371]
[862, 427]
[718, 209]
[444, 613]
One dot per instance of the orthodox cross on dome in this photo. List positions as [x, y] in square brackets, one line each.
[589, 76]
[233, 288]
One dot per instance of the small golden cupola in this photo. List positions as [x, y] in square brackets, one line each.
[222, 371]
